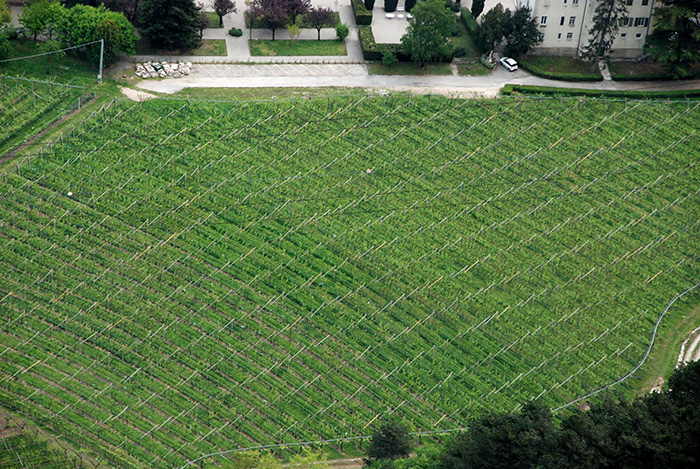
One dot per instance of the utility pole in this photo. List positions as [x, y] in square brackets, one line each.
[102, 52]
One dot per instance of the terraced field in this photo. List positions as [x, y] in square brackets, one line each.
[182, 278]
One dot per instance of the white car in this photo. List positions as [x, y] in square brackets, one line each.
[509, 64]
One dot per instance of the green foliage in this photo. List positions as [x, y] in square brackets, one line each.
[527, 64]
[170, 24]
[83, 24]
[256, 287]
[42, 16]
[494, 26]
[428, 33]
[235, 32]
[5, 46]
[5, 13]
[390, 441]
[523, 33]
[557, 91]
[293, 31]
[342, 31]
[472, 26]
[675, 39]
[389, 56]
[373, 51]
[606, 23]
[363, 16]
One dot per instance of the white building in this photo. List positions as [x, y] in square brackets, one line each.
[565, 25]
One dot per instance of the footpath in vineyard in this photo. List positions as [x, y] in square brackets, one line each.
[182, 278]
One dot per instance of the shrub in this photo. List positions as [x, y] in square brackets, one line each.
[459, 51]
[342, 31]
[554, 91]
[485, 62]
[389, 56]
[235, 32]
[471, 25]
[373, 51]
[369, 4]
[362, 15]
[410, 4]
[390, 5]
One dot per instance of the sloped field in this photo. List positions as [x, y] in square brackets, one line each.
[230, 274]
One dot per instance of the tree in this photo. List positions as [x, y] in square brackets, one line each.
[170, 24]
[676, 37]
[319, 17]
[606, 24]
[523, 33]
[82, 24]
[342, 31]
[5, 14]
[477, 8]
[274, 12]
[392, 440]
[505, 440]
[202, 22]
[41, 16]
[495, 24]
[428, 34]
[53, 49]
[297, 7]
[223, 8]
[130, 8]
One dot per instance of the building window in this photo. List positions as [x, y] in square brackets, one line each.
[575, 2]
[638, 35]
[623, 35]
[641, 22]
[547, 2]
[626, 21]
[564, 2]
[572, 21]
[645, 3]
[629, 2]
[543, 21]
[561, 22]
[559, 36]
[569, 36]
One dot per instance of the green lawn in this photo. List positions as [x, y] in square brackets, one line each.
[286, 47]
[209, 47]
[213, 19]
[558, 65]
[475, 69]
[465, 40]
[641, 70]
[409, 68]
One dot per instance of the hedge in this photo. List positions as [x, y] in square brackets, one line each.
[652, 77]
[472, 26]
[373, 51]
[560, 76]
[362, 15]
[510, 89]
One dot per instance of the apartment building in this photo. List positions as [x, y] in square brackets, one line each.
[565, 25]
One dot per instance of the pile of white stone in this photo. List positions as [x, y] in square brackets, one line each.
[163, 69]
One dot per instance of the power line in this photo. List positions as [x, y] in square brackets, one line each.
[49, 53]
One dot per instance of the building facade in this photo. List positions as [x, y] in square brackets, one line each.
[566, 23]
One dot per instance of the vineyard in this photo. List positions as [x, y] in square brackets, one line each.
[26, 106]
[184, 278]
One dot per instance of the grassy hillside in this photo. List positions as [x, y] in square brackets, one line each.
[180, 278]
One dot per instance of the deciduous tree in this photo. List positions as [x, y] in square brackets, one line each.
[392, 440]
[275, 13]
[318, 18]
[428, 34]
[297, 7]
[223, 8]
[495, 24]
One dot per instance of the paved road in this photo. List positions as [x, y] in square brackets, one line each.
[355, 75]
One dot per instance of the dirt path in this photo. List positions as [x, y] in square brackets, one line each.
[690, 349]
[136, 95]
